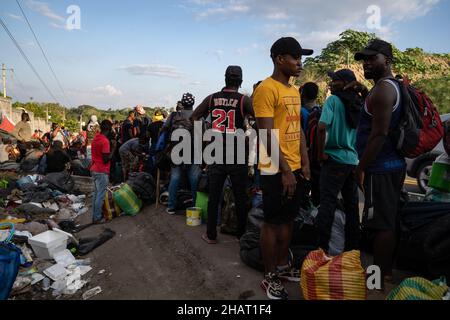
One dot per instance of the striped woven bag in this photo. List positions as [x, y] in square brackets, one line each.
[419, 289]
[333, 278]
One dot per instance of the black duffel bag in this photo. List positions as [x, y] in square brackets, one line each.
[143, 185]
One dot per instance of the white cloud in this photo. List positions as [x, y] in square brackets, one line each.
[56, 21]
[215, 8]
[277, 16]
[347, 10]
[195, 83]
[202, 2]
[315, 21]
[242, 51]
[59, 26]
[15, 17]
[153, 70]
[108, 90]
[316, 38]
[217, 53]
[43, 9]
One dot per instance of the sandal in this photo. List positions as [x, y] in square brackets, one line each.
[207, 240]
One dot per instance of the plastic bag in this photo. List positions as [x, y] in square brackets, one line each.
[336, 278]
[9, 264]
[110, 208]
[337, 240]
[127, 200]
[201, 201]
[419, 289]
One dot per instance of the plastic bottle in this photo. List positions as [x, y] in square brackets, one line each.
[46, 284]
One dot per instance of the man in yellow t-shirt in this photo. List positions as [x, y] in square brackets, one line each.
[277, 106]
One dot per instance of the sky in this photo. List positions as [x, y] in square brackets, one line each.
[150, 52]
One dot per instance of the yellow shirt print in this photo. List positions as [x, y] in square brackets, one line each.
[273, 99]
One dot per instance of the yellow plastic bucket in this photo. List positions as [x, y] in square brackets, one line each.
[193, 216]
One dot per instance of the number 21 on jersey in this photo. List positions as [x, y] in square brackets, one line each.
[223, 121]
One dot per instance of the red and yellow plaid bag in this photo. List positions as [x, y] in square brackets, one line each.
[333, 278]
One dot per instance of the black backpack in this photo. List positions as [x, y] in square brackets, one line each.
[143, 185]
[180, 121]
[144, 124]
[311, 134]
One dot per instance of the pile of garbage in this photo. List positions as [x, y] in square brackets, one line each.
[39, 252]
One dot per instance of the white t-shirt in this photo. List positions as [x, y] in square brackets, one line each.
[60, 137]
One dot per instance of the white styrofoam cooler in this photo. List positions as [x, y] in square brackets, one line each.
[46, 244]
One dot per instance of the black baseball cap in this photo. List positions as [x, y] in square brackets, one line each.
[289, 45]
[374, 47]
[234, 72]
[345, 75]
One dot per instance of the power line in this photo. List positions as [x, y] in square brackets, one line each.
[43, 52]
[26, 59]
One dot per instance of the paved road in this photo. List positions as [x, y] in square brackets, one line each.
[411, 185]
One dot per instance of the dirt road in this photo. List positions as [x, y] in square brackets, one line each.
[157, 256]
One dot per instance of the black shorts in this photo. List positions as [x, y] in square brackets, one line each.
[278, 209]
[382, 198]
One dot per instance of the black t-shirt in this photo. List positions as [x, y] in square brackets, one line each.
[126, 127]
[227, 115]
[56, 160]
[142, 124]
[154, 129]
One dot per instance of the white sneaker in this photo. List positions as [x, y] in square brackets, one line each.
[273, 288]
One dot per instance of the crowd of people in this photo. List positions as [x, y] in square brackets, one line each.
[324, 151]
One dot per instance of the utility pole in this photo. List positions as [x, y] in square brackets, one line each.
[4, 79]
[4, 86]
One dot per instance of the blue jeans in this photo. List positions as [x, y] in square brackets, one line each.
[151, 159]
[193, 172]
[101, 181]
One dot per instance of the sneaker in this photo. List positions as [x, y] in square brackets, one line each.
[290, 274]
[170, 211]
[273, 288]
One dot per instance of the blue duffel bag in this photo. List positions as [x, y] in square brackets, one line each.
[9, 264]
